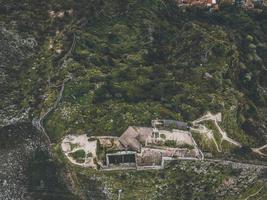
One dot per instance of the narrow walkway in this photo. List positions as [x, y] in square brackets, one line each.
[38, 123]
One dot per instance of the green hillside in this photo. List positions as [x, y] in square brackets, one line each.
[136, 61]
[131, 61]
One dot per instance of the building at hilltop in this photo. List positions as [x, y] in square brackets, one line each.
[138, 147]
[200, 3]
[149, 146]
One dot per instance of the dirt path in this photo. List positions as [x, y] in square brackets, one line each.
[258, 150]
[254, 194]
[38, 123]
[209, 134]
[215, 119]
[196, 147]
[225, 136]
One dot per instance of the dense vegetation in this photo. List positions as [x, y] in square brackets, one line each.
[132, 61]
[137, 61]
[78, 155]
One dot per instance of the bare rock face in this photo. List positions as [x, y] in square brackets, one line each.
[18, 144]
[15, 50]
[26, 168]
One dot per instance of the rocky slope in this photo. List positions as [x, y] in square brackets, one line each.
[26, 168]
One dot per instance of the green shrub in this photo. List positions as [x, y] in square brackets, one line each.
[187, 146]
[78, 155]
[163, 136]
[170, 143]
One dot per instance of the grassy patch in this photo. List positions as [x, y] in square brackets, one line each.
[78, 155]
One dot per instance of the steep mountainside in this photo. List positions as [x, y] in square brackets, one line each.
[127, 62]
[140, 60]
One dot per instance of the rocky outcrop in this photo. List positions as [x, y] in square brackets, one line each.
[27, 171]
[15, 50]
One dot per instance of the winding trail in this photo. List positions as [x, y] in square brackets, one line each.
[225, 136]
[209, 133]
[258, 150]
[254, 194]
[215, 119]
[196, 147]
[69, 53]
[38, 123]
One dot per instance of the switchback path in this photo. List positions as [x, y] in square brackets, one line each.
[204, 130]
[215, 119]
[254, 194]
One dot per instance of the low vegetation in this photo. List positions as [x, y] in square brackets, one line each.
[78, 155]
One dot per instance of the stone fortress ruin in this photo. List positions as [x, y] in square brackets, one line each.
[136, 148]
[148, 147]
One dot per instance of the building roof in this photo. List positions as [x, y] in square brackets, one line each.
[176, 124]
[196, 2]
[170, 123]
[181, 137]
[134, 136]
